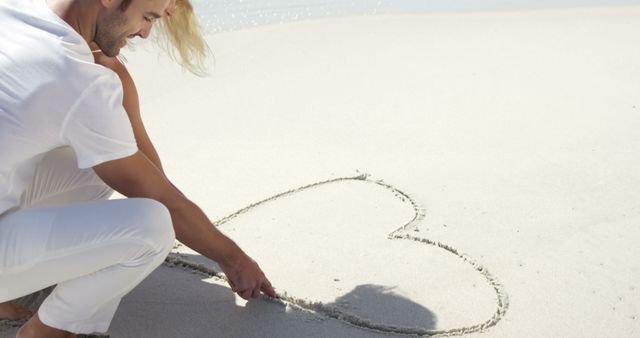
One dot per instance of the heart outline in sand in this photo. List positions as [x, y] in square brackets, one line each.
[401, 233]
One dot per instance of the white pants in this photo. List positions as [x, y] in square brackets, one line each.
[67, 233]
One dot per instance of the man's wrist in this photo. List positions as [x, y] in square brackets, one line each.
[231, 255]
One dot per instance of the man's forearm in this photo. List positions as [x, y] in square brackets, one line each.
[137, 176]
[196, 231]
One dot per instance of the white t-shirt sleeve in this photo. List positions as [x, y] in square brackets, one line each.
[97, 126]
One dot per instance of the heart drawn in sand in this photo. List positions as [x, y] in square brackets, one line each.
[351, 251]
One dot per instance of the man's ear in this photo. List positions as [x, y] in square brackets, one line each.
[109, 4]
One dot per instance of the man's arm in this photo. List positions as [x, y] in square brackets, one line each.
[192, 227]
[137, 176]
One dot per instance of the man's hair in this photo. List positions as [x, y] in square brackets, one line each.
[124, 5]
[181, 37]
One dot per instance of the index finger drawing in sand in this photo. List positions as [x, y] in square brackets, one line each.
[67, 143]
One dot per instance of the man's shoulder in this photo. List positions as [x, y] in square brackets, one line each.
[38, 56]
[29, 27]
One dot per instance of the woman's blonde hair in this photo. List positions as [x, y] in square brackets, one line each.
[181, 37]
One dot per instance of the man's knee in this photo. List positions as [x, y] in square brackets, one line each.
[153, 223]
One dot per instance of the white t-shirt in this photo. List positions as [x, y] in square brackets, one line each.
[52, 94]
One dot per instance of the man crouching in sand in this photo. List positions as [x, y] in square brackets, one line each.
[65, 142]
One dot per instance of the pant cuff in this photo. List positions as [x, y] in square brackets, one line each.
[76, 328]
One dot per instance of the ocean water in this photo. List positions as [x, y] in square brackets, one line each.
[227, 15]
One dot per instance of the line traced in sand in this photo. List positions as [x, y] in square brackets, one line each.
[400, 233]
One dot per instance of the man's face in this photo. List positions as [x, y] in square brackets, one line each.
[115, 26]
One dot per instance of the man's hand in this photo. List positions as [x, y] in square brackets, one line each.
[246, 278]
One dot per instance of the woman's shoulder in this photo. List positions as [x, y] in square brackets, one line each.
[112, 63]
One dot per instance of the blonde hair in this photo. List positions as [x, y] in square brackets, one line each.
[181, 38]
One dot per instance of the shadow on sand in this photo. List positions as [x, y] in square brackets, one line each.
[176, 302]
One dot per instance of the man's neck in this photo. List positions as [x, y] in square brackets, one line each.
[81, 15]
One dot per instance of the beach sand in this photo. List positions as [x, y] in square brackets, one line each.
[485, 170]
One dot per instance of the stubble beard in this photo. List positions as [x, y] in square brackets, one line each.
[107, 35]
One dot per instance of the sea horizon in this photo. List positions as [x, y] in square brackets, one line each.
[229, 15]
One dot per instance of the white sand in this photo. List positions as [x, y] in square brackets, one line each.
[516, 132]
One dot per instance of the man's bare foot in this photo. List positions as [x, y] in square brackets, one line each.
[34, 328]
[14, 311]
